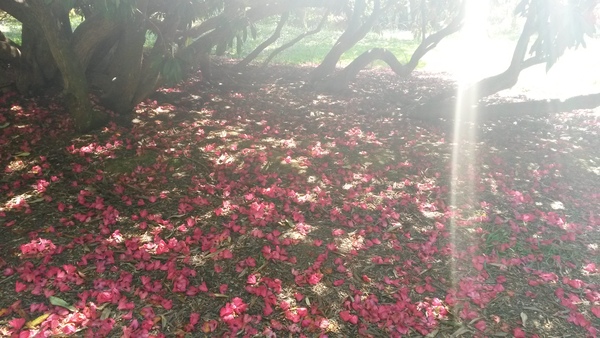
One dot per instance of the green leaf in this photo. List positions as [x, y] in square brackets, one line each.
[37, 321]
[62, 303]
[5, 125]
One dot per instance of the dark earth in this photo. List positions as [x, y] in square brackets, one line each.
[254, 206]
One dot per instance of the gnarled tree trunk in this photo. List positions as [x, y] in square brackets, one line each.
[510, 76]
[341, 79]
[355, 32]
[73, 75]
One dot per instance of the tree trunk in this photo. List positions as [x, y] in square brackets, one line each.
[73, 76]
[295, 40]
[276, 34]
[510, 76]
[37, 69]
[127, 66]
[446, 109]
[256, 13]
[340, 80]
[354, 33]
[90, 36]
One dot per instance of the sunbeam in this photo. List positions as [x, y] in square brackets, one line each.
[464, 173]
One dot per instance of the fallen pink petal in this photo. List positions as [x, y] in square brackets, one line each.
[299, 168]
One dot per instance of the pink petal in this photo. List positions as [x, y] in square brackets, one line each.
[17, 323]
[19, 287]
[480, 325]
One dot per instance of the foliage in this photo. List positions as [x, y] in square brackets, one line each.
[559, 25]
[431, 15]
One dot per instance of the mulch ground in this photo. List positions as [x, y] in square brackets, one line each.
[256, 207]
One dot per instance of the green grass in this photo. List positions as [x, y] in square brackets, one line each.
[11, 28]
[314, 48]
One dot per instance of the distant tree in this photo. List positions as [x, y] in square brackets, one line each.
[445, 19]
[550, 28]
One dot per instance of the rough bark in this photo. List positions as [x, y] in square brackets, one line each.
[90, 35]
[276, 34]
[73, 76]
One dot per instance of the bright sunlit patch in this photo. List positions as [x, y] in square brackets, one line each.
[14, 166]
[18, 202]
[472, 42]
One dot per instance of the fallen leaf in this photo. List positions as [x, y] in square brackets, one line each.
[62, 303]
[35, 322]
[462, 330]
[105, 313]
[524, 318]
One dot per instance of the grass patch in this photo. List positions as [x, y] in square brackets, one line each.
[11, 28]
[314, 48]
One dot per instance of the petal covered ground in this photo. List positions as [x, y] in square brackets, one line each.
[264, 209]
